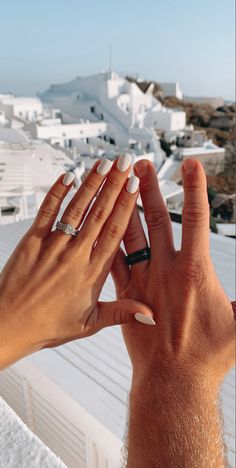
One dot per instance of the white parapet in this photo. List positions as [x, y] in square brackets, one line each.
[22, 445]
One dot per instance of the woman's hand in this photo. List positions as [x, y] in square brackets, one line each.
[50, 286]
[194, 318]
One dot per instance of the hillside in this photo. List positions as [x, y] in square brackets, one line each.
[219, 125]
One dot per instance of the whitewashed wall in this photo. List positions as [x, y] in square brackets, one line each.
[73, 434]
[71, 131]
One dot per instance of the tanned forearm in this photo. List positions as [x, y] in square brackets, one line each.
[175, 423]
[14, 339]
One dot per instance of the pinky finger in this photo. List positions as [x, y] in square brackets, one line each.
[51, 204]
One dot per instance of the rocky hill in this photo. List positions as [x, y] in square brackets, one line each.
[219, 125]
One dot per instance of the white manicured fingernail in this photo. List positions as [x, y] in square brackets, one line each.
[132, 185]
[123, 162]
[68, 178]
[145, 319]
[104, 167]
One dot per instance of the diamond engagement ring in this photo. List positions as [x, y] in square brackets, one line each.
[66, 228]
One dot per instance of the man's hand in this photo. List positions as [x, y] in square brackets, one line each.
[179, 363]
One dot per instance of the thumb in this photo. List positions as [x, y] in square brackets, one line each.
[123, 311]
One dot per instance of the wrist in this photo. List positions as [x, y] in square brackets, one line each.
[174, 381]
[175, 424]
[14, 341]
[174, 420]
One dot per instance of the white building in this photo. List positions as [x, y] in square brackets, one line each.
[188, 138]
[172, 89]
[211, 156]
[27, 108]
[3, 120]
[60, 134]
[27, 170]
[132, 116]
[166, 120]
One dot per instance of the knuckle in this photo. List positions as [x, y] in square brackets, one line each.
[91, 184]
[113, 181]
[147, 187]
[47, 209]
[164, 277]
[157, 219]
[65, 257]
[55, 196]
[75, 212]
[132, 234]
[116, 316]
[126, 201]
[194, 275]
[100, 214]
[46, 212]
[196, 215]
[115, 231]
[118, 261]
[92, 274]
[193, 187]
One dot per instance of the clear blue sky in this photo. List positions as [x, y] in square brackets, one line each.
[51, 41]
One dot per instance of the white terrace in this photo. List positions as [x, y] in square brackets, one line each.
[27, 170]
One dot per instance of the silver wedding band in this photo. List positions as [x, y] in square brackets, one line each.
[67, 228]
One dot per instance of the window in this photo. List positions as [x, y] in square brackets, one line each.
[8, 210]
[92, 109]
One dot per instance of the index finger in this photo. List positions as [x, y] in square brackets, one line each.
[155, 211]
[195, 216]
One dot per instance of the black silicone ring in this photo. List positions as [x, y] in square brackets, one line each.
[139, 256]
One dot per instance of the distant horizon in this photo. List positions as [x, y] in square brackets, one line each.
[189, 42]
[135, 76]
